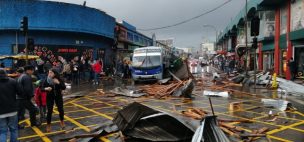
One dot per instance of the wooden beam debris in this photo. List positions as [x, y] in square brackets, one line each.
[195, 113]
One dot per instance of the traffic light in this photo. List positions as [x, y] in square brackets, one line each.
[30, 44]
[255, 43]
[24, 25]
[255, 26]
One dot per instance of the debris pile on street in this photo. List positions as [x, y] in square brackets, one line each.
[127, 92]
[195, 113]
[214, 93]
[180, 88]
[239, 132]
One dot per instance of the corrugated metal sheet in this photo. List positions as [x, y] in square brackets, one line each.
[142, 123]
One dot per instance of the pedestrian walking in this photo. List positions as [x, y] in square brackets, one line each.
[231, 65]
[40, 99]
[292, 68]
[8, 104]
[67, 71]
[90, 68]
[25, 98]
[75, 72]
[97, 68]
[53, 86]
[82, 70]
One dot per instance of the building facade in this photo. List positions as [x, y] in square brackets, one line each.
[58, 29]
[280, 39]
[66, 30]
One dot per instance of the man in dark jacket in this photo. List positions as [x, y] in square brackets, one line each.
[292, 68]
[25, 98]
[231, 65]
[8, 105]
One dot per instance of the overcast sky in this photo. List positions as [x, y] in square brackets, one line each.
[145, 14]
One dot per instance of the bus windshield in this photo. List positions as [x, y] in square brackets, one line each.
[146, 61]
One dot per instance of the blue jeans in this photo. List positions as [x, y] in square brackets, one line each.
[96, 79]
[11, 124]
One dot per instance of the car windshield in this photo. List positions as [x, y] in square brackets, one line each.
[146, 61]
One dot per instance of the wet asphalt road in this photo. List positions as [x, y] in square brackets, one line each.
[84, 113]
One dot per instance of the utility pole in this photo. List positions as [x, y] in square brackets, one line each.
[24, 30]
[246, 40]
[255, 27]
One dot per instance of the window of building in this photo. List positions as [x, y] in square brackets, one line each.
[269, 23]
[297, 15]
[241, 36]
[283, 20]
[130, 36]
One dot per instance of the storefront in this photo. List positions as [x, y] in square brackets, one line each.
[52, 52]
[268, 55]
[299, 59]
[297, 35]
[268, 60]
[284, 62]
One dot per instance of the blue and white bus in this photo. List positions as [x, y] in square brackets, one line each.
[149, 63]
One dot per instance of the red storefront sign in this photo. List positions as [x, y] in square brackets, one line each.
[67, 50]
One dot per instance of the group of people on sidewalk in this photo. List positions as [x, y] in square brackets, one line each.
[17, 94]
[73, 70]
[228, 64]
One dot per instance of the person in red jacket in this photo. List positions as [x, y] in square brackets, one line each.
[97, 68]
[40, 99]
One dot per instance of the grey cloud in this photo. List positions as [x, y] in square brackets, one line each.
[158, 13]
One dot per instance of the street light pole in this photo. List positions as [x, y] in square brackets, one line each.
[214, 28]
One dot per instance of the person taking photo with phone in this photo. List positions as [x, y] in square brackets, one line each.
[53, 85]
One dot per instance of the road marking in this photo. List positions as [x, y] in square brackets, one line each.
[91, 110]
[23, 121]
[297, 129]
[101, 102]
[89, 116]
[253, 120]
[277, 138]
[75, 122]
[299, 113]
[27, 137]
[103, 139]
[67, 112]
[285, 127]
[39, 132]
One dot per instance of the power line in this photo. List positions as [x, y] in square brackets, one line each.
[188, 20]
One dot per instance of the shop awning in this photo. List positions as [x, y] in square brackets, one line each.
[283, 41]
[298, 34]
[268, 46]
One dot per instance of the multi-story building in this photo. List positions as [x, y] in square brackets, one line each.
[281, 35]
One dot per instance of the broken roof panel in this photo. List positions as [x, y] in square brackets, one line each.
[143, 123]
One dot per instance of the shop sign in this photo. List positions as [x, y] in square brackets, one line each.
[67, 50]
